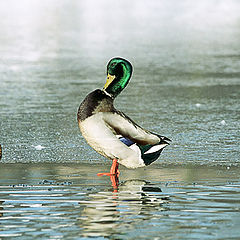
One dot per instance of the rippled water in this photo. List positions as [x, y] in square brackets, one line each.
[185, 85]
[55, 201]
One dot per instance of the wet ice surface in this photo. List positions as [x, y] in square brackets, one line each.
[185, 85]
[68, 201]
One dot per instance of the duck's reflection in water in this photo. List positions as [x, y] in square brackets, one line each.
[1, 208]
[106, 213]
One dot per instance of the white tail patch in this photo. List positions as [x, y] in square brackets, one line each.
[155, 148]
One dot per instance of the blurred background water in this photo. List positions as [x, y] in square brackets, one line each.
[185, 85]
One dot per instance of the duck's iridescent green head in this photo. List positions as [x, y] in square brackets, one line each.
[119, 72]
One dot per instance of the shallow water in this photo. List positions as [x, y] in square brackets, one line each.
[68, 201]
[185, 86]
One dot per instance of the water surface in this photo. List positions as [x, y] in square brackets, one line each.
[185, 86]
[68, 201]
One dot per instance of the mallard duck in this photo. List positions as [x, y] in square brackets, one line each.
[111, 132]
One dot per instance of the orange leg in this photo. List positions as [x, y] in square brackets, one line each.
[113, 171]
[113, 174]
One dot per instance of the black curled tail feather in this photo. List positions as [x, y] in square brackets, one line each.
[163, 138]
[151, 153]
[151, 157]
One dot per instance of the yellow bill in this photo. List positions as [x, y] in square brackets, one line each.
[110, 78]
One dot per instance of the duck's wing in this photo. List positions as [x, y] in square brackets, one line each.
[121, 124]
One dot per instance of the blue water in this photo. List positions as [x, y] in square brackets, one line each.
[69, 201]
[185, 86]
